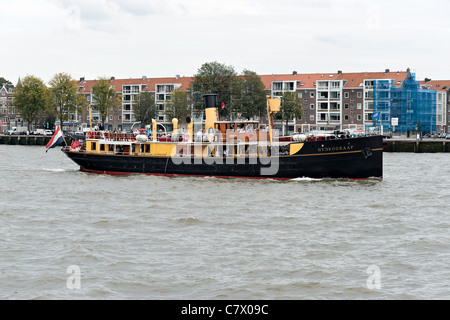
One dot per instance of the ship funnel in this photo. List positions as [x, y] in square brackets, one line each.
[175, 125]
[211, 101]
[211, 111]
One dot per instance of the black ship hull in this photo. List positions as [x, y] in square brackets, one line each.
[354, 158]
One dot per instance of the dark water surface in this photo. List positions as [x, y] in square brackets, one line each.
[144, 237]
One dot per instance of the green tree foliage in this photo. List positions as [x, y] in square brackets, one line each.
[179, 106]
[105, 97]
[65, 97]
[4, 82]
[144, 108]
[291, 107]
[252, 95]
[216, 78]
[31, 97]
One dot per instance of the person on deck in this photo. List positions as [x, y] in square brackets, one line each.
[211, 134]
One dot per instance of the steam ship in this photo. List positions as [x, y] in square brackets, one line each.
[231, 149]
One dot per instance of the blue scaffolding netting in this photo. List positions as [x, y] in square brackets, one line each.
[415, 108]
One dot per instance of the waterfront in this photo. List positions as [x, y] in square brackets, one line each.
[144, 237]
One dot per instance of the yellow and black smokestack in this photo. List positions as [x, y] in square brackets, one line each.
[211, 110]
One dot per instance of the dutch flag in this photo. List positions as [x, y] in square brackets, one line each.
[56, 140]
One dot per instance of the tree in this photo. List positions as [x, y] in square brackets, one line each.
[252, 95]
[216, 78]
[105, 97]
[179, 106]
[291, 107]
[31, 97]
[4, 82]
[65, 97]
[144, 107]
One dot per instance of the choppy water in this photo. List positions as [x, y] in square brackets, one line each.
[144, 237]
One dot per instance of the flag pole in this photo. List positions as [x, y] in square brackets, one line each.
[64, 138]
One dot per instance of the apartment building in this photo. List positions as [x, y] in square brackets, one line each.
[442, 88]
[161, 89]
[330, 100]
[8, 115]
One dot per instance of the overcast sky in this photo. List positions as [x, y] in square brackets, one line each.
[153, 38]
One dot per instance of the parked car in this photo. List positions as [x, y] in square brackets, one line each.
[447, 136]
[39, 131]
[48, 132]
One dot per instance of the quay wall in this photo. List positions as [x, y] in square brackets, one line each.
[412, 145]
[25, 140]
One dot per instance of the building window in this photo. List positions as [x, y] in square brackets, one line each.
[288, 86]
[277, 86]
[312, 95]
[111, 118]
[311, 106]
[335, 95]
[311, 117]
[346, 117]
[335, 106]
[335, 117]
[359, 95]
[359, 106]
[346, 106]
[359, 117]
[346, 95]
[323, 95]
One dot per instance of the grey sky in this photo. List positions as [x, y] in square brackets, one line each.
[133, 38]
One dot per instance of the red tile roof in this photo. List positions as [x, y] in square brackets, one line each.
[149, 82]
[439, 85]
[356, 80]
[305, 81]
[308, 80]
